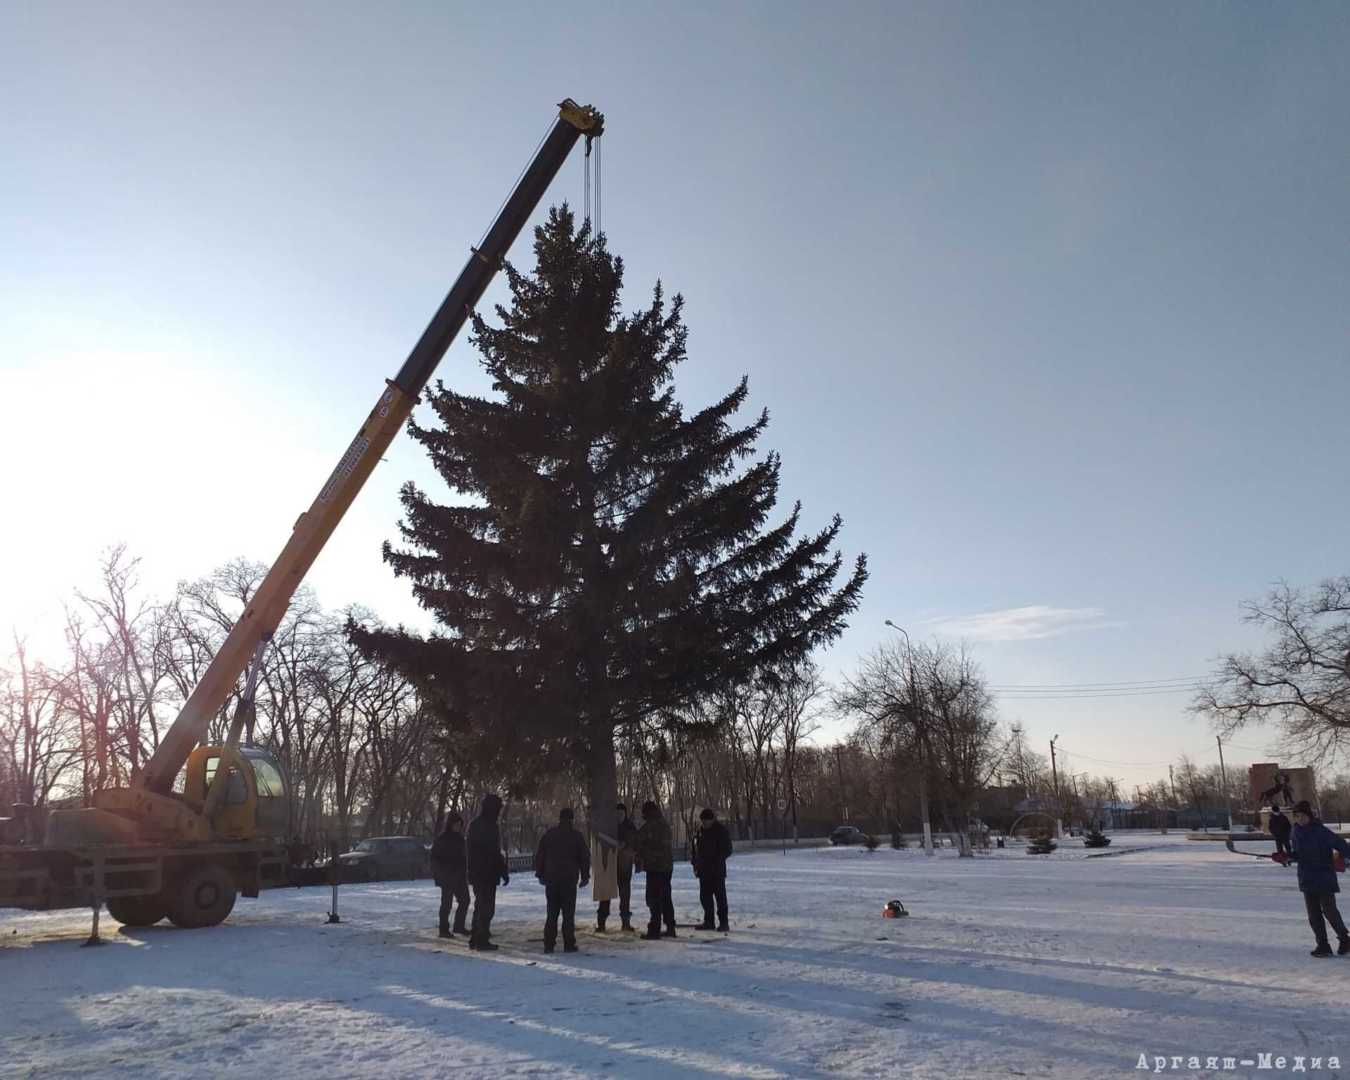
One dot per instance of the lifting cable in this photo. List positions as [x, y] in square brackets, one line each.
[586, 167]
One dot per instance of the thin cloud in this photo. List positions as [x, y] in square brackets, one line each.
[1021, 623]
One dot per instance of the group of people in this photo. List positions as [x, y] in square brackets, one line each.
[474, 861]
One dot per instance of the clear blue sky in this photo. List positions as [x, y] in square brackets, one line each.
[1047, 300]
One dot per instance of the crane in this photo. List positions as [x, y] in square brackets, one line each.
[149, 851]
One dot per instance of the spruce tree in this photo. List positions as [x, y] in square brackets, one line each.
[606, 556]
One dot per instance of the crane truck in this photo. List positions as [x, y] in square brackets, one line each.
[200, 824]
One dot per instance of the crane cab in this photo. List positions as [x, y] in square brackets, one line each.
[255, 804]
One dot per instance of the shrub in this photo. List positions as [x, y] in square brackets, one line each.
[1040, 844]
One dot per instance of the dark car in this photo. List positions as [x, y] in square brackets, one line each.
[847, 834]
[380, 858]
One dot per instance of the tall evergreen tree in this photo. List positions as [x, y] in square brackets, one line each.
[609, 556]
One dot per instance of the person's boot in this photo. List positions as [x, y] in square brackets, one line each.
[627, 925]
[548, 946]
[461, 930]
[570, 946]
[653, 933]
[488, 946]
[706, 924]
[1344, 948]
[670, 932]
[599, 926]
[724, 929]
[1323, 949]
[445, 932]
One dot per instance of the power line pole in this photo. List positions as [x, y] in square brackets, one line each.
[1054, 774]
[1223, 777]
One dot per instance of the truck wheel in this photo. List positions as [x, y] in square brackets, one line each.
[137, 910]
[202, 897]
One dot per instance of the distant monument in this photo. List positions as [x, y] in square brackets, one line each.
[1270, 784]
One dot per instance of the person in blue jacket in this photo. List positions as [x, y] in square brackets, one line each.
[1313, 844]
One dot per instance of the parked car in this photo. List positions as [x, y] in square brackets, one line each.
[381, 858]
[847, 834]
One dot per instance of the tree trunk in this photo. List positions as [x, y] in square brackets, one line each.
[604, 783]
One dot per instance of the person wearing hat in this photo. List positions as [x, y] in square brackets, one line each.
[1312, 849]
[562, 859]
[449, 869]
[627, 837]
[711, 849]
[656, 859]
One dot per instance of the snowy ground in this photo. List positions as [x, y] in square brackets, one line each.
[1010, 965]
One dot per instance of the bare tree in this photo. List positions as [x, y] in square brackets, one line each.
[930, 707]
[38, 742]
[1301, 681]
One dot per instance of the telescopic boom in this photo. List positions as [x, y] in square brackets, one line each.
[268, 605]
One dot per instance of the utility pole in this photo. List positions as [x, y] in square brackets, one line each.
[922, 739]
[1054, 774]
[1223, 777]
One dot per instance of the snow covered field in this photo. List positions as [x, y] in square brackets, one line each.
[1009, 965]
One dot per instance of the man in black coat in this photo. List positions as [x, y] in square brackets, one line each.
[627, 838]
[487, 866]
[711, 849]
[1279, 829]
[655, 858]
[561, 859]
[449, 869]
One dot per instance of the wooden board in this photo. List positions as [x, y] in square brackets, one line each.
[604, 868]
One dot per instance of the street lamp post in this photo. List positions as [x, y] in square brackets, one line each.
[919, 732]
[1059, 806]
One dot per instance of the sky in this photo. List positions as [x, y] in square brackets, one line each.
[1046, 300]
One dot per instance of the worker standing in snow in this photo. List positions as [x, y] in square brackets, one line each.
[627, 837]
[562, 858]
[1313, 846]
[656, 859]
[712, 847]
[1279, 829]
[487, 866]
[449, 868]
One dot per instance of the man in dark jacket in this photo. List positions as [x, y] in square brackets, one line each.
[1312, 850]
[655, 858]
[1279, 829]
[449, 869]
[711, 849]
[627, 837]
[562, 858]
[487, 866]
